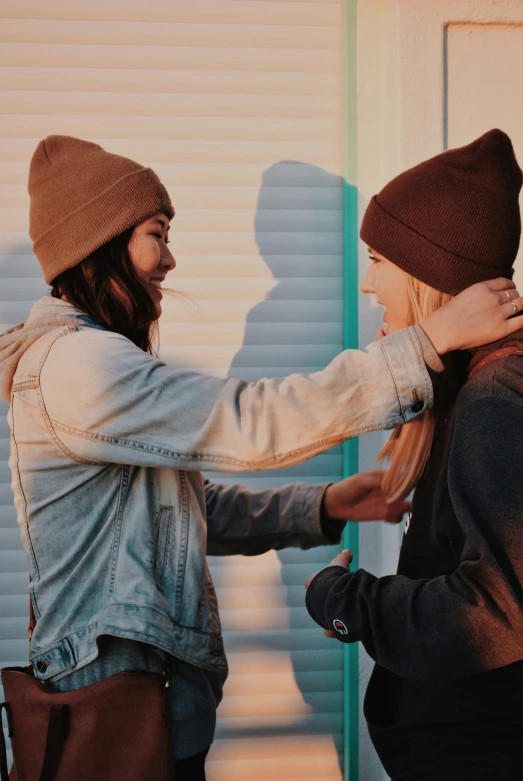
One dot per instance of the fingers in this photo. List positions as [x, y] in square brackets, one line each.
[399, 505]
[500, 283]
[514, 306]
[511, 303]
[397, 511]
[479, 315]
[343, 559]
[328, 633]
[507, 295]
[514, 323]
[310, 579]
[383, 330]
[394, 518]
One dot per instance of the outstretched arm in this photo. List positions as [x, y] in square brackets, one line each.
[240, 520]
[109, 402]
[470, 620]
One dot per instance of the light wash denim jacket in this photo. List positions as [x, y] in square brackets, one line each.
[107, 448]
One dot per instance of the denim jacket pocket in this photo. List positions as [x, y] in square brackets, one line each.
[164, 521]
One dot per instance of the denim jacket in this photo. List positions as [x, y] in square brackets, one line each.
[107, 449]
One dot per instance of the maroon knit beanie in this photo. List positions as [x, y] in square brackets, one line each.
[454, 219]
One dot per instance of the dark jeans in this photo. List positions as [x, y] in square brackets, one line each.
[192, 768]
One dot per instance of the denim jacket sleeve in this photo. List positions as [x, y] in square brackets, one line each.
[240, 520]
[107, 401]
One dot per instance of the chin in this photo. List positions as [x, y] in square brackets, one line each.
[397, 327]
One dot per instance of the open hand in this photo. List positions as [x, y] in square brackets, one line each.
[360, 498]
[481, 314]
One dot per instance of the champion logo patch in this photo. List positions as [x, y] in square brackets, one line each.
[340, 627]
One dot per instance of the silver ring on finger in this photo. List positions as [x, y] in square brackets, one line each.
[507, 293]
[515, 307]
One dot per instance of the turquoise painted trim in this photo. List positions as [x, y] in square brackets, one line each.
[351, 700]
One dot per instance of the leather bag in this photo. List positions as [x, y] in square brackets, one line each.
[117, 729]
[114, 730]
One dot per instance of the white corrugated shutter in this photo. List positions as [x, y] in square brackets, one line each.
[237, 105]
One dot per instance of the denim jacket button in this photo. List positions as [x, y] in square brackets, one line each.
[417, 406]
[42, 666]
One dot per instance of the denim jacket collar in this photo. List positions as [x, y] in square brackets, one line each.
[47, 314]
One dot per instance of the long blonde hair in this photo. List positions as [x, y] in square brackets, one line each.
[408, 448]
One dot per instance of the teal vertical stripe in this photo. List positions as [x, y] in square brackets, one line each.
[350, 340]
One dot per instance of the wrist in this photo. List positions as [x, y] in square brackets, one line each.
[430, 355]
[437, 334]
[328, 503]
[331, 527]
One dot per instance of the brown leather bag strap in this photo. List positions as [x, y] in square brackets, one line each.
[57, 728]
[4, 772]
[32, 617]
[494, 357]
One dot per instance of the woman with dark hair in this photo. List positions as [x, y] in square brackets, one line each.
[445, 700]
[109, 286]
[108, 443]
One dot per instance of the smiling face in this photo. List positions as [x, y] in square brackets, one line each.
[390, 285]
[151, 256]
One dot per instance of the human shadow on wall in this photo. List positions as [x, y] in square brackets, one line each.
[304, 252]
[21, 282]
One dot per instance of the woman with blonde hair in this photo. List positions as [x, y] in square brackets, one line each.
[445, 701]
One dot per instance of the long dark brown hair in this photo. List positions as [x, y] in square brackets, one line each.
[107, 288]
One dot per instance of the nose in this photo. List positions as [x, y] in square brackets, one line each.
[168, 260]
[367, 283]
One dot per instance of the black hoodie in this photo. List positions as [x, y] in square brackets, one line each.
[447, 630]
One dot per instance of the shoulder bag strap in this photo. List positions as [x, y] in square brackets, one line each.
[4, 772]
[57, 728]
[32, 618]
[494, 357]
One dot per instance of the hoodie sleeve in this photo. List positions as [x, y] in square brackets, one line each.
[108, 401]
[470, 620]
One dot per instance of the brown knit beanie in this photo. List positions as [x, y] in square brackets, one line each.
[454, 219]
[82, 197]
